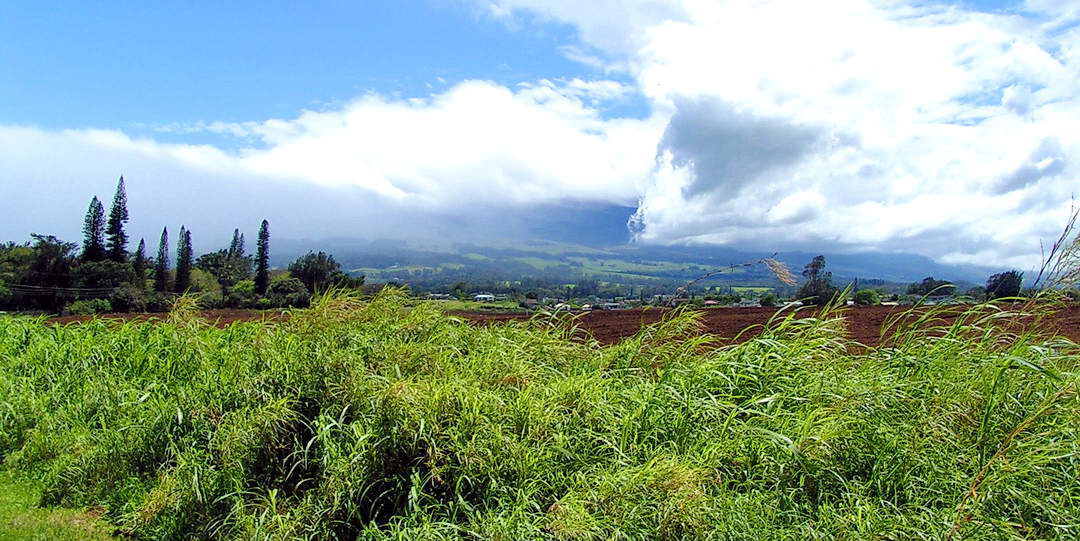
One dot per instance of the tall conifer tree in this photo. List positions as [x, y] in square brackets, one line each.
[262, 256]
[184, 261]
[118, 216]
[161, 266]
[139, 264]
[94, 232]
[236, 247]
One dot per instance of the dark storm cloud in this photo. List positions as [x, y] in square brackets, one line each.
[730, 148]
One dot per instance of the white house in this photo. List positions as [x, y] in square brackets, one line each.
[484, 297]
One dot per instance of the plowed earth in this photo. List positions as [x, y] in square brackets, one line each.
[864, 323]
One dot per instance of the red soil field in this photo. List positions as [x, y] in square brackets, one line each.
[863, 322]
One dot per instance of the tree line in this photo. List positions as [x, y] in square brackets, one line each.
[101, 275]
[819, 289]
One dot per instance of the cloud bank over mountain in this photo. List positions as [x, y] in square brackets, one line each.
[849, 125]
[927, 128]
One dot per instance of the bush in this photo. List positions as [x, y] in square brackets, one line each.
[289, 292]
[768, 299]
[867, 297]
[129, 298]
[89, 307]
[204, 282]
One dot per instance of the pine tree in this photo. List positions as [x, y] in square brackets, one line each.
[262, 263]
[93, 232]
[118, 216]
[139, 264]
[161, 266]
[184, 261]
[236, 247]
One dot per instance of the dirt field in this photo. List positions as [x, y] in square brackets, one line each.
[863, 323]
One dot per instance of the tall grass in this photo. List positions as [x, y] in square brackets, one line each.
[368, 420]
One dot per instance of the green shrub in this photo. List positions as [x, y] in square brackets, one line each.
[867, 297]
[289, 292]
[129, 298]
[768, 299]
[89, 307]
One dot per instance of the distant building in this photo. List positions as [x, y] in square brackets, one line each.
[484, 297]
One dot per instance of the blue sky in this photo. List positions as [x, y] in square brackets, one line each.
[123, 64]
[852, 125]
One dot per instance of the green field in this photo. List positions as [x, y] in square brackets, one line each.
[380, 420]
[747, 289]
[455, 305]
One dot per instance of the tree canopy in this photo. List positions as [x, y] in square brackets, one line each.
[1004, 284]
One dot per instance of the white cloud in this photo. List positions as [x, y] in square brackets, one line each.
[852, 124]
[476, 148]
[477, 142]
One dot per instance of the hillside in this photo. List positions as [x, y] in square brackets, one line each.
[431, 266]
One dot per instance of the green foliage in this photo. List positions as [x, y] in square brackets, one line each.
[289, 292]
[357, 420]
[245, 288]
[315, 271]
[161, 264]
[818, 288]
[184, 256]
[21, 520]
[103, 274]
[89, 307]
[15, 261]
[768, 299]
[130, 298]
[139, 262]
[94, 232]
[52, 262]
[116, 242]
[226, 266]
[867, 297]
[204, 282]
[1004, 284]
[932, 287]
[262, 259]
